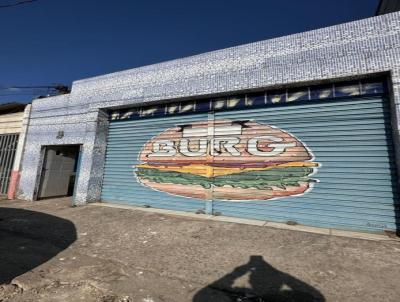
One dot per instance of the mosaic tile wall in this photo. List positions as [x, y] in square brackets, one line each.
[344, 51]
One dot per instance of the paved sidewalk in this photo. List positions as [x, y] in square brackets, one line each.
[50, 251]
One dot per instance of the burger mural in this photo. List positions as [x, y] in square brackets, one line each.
[227, 160]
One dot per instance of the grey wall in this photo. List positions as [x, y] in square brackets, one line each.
[367, 46]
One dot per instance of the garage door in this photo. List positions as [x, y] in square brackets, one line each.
[123, 179]
[325, 163]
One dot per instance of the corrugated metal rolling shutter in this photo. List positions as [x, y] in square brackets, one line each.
[350, 139]
[125, 142]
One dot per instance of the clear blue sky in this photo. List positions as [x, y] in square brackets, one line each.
[59, 41]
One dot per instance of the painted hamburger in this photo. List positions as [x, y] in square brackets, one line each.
[226, 160]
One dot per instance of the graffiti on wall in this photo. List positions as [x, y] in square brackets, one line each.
[227, 160]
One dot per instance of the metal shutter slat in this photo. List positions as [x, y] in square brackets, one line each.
[350, 138]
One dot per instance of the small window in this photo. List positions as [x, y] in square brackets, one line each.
[128, 114]
[321, 92]
[257, 99]
[372, 88]
[297, 95]
[276, 97]
[347, 89]
[115, 115]
[235, 102]
[172, 108]
[203, 105]
[151, 111]
[219, 104]
[187, 107]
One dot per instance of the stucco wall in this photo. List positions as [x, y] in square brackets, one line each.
[11, 122]
[367, 46]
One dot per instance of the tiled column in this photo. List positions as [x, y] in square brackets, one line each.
[394, 91]
[92, 161]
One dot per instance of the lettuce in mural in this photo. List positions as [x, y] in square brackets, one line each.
[227, 160]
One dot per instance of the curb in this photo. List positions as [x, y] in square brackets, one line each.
[254, 222]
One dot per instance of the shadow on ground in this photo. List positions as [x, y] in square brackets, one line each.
[266, 284]
[28, 239]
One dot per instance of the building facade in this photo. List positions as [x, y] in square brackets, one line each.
[13, 122]
[300, 128]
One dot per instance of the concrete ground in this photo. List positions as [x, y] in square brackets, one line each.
[50, 251]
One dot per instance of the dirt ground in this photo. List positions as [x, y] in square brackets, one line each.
[50, 251]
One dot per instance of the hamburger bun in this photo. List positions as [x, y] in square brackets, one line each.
[226, 160]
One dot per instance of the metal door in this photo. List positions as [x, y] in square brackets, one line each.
[350, 145]
[8, 147]
[124, 180]
[58, 173]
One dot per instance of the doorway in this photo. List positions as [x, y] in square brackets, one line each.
[59, 171]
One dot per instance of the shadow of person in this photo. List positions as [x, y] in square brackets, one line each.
[265, 284]
[28, 239]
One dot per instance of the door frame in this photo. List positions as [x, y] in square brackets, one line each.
[42, 163]
[77, 173]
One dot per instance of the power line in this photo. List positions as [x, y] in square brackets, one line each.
[29, 87]
[56, 87]
[17, 94]
[33, 91]
[17, 3]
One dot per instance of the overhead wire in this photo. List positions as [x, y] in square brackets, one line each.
[17, 3]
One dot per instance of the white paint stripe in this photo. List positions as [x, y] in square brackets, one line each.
[218, 130]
